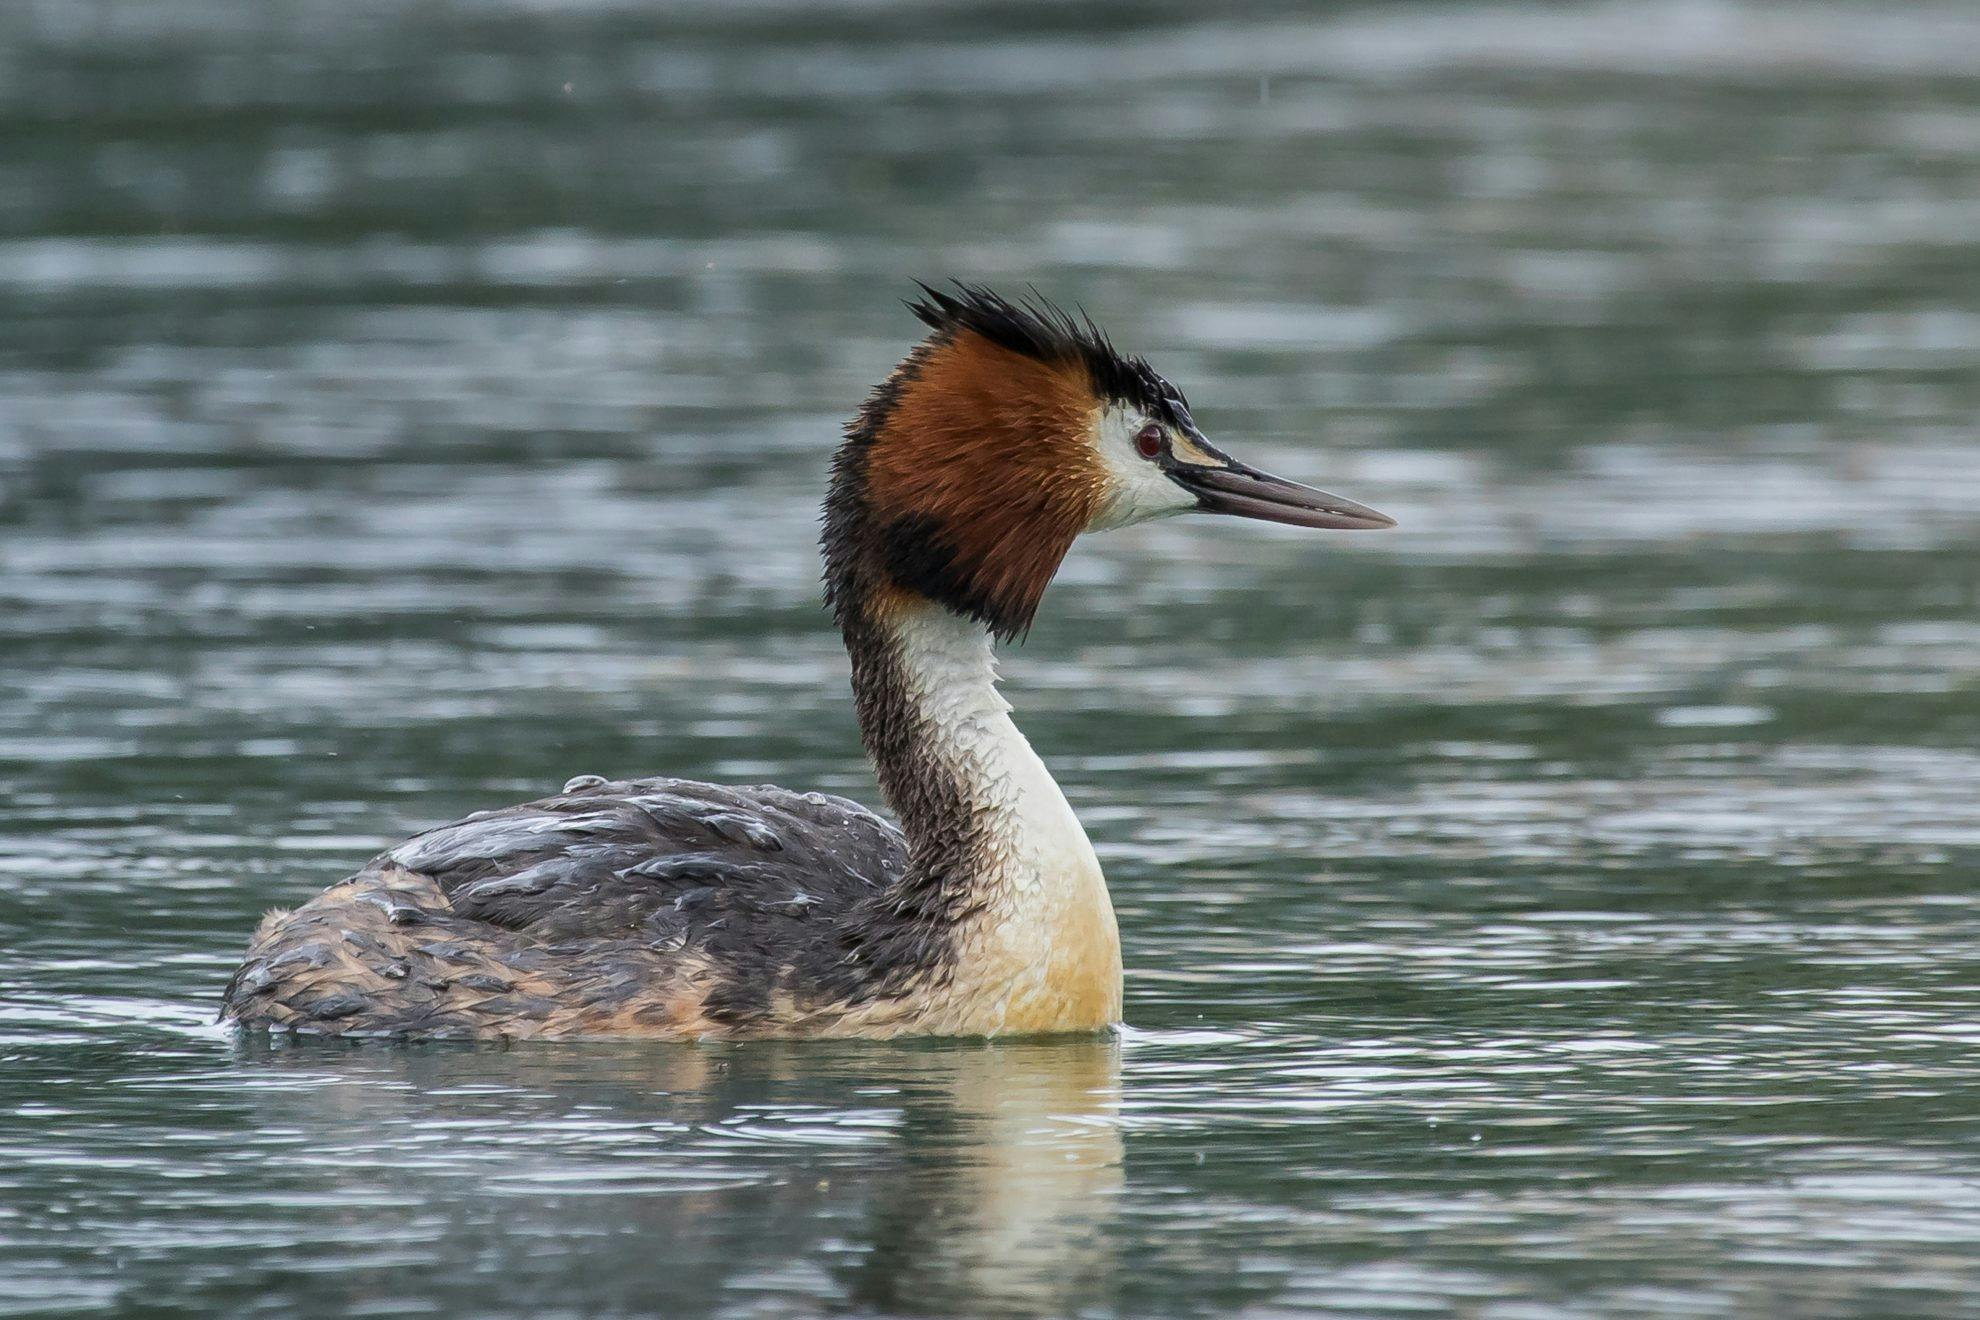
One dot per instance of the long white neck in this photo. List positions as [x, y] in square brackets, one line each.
[1030, 926]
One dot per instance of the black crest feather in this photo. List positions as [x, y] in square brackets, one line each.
[1039, 330]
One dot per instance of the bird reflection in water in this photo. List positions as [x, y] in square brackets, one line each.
[937, 1178]
[1004, 1185]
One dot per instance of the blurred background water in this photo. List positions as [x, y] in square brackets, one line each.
[1564, 905]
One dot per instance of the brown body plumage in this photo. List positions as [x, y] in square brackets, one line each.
[672, 909]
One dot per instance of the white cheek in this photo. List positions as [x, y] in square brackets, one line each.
[1137, 491]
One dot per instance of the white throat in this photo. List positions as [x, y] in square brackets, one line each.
[1046, 923]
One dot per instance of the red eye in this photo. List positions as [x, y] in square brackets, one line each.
[1148, 441]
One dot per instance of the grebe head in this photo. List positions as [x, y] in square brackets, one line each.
[1010, 430]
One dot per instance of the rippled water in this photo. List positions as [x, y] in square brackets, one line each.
[1564, 905]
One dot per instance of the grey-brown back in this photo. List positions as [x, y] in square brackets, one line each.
[571, 907]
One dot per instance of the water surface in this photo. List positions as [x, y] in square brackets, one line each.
[1564, 905]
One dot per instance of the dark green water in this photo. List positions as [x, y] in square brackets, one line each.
[1565, 905]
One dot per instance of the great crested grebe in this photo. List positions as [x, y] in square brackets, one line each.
[672, 909]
